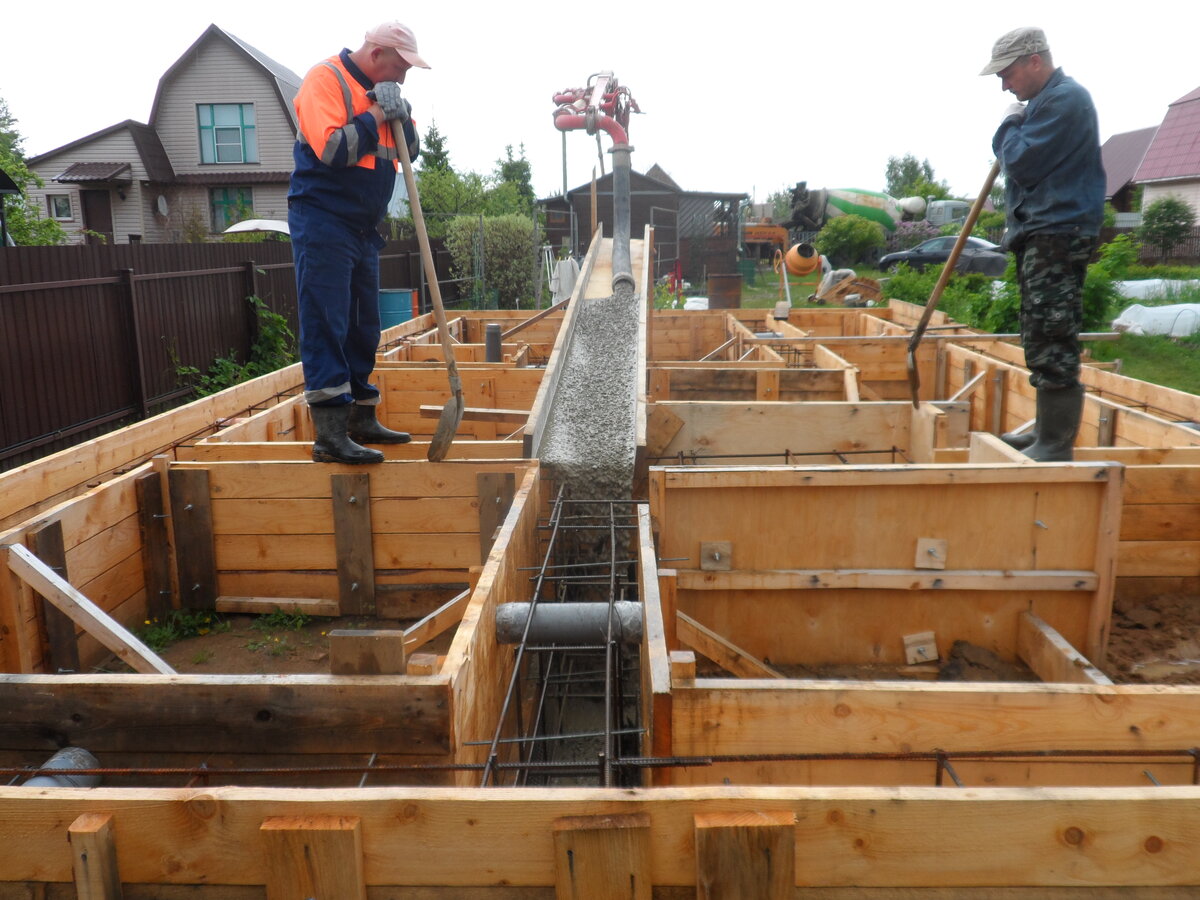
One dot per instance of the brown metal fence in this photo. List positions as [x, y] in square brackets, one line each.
[93, 337]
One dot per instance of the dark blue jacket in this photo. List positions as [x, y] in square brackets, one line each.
[1051, 160]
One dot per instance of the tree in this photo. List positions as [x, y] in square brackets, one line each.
[519, 174]
[781, 204]
[434, 155]
[25, 224]
[1166, 222]
[906, 177]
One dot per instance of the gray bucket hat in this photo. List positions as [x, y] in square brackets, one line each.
[1012, 46]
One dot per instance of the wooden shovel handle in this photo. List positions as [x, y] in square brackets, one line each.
[947, 270]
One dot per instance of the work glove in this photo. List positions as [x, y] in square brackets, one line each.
[395, 107]
[1015, 111]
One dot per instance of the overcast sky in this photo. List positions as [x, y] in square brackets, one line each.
[735, 99]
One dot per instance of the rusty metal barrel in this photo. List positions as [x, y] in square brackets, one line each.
[725, 291]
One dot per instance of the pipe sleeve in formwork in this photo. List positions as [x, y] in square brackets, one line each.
[493, 343]
[569, 623]
[67, 759]
[622, 268]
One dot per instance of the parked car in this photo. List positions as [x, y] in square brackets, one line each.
[977, 255]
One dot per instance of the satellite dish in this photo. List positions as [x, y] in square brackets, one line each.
[161, 204]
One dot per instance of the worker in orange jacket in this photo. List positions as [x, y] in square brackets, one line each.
[345, 172]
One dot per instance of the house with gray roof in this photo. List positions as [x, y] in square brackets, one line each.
[1122, 154]
[218, 145]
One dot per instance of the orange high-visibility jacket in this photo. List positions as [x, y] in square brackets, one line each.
[345, 163]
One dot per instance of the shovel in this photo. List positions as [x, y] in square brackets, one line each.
[914, 378]
[452, 412]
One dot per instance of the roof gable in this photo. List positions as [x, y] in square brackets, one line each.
[145, 139]
[287, 82]
[658, 173]
[1122, 154]
[1175, 150]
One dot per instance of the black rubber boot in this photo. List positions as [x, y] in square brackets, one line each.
[1022, 440]
[1058, 415]
[333, 444]
[364, 427]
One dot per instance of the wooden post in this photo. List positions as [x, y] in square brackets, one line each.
[251, 288]
[745, 854]
[496, 490]
[94, 857]
[156, 549]
[998, 401]
[602, 857]
[353, 539]
[46, 543]
[313, 858]
[129, 280]
[191, 522]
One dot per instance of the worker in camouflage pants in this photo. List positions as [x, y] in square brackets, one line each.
[1050, 271]
[1048, 146]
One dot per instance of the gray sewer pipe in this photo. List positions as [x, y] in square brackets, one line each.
[67, 759]
[569, 623]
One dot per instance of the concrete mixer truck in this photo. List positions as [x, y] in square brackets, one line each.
[811, 209]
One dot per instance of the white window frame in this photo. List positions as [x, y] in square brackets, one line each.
[53, 213]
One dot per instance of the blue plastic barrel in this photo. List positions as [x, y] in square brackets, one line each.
[395, 306]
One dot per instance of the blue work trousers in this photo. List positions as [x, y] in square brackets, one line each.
[337, 280]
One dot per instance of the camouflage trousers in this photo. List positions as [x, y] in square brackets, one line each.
[1050, 271]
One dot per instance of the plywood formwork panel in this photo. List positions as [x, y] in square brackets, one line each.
[834, 556]
[480, 667]
[867, 627]
[733, 429]
[45, 482]
[279, 517]
[744, 383]
[103, 543]
[843, 837]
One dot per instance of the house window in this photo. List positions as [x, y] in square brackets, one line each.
[59, 206]
[227, 133]
[230, 205]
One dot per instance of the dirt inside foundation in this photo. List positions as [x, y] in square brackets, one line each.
[1155, 640]
[271, 645]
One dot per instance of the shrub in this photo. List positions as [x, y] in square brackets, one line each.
[909, 234]
[849, 240]
[509, 254]
[273, 348]
[1165, 222]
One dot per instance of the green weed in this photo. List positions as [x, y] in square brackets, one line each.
[282, 621]
[177, 625]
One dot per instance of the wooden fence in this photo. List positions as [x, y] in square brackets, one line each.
[94, 337]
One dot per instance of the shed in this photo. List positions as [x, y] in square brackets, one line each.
[696, 229]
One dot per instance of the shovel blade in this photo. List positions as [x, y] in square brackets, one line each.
[447, 427]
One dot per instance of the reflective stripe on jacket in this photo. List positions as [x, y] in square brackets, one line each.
[345, 164]
[328, 105]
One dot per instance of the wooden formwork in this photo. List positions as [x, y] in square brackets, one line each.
[764, 570]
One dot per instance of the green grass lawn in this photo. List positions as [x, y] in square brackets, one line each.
[1160, 360]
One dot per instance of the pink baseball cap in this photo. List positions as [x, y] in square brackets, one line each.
[400, 38]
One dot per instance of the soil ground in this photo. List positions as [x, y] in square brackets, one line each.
[250, 645]
[1155, 641]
